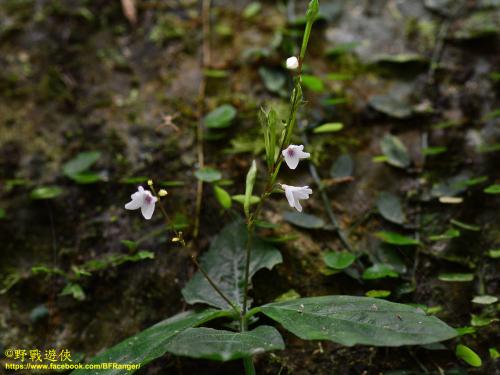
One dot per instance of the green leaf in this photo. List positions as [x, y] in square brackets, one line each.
[389, 206]
[47, 270]
[208, 174]
[73, 290]
[131, 245]
[252, 9]
[378, 293]
[250, 182]
[223, 197]
[287, 296]
[481, 321]
[468, 355]
[274, 80]
[150, 343]
[460, 224]
[456, 277]
[391, 105]
[225, 263]
[3, 214]
[303, 220]
[492, 189]
[494, 354]
[485, 300]
[339, 259]
[329, 127]
[312, 10]
[396, 238]
[219, 345]
[240, 198]
[80, 163]
[395, 151]
[342, 48]
[450, 233]
[46, 192]
[313, 83]
[86, 177]
[379, 271]
[494, 253]
[220, 117]
[434, 150]
[343, 167]
[351, 320]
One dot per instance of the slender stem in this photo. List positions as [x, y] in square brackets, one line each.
[216, 288]
[249, 367]
[205, 62]
[326, 202]
[178, 234]
[248, 254]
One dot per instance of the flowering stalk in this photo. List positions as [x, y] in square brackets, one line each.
[274, 162]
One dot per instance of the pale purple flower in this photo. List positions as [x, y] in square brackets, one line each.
[295, 193]
[144, 200]
[293, 154]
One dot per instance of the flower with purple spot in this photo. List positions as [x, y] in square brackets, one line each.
[144, 200]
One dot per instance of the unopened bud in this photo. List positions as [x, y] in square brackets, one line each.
[292, 63]
[150, 182]
[162, 193]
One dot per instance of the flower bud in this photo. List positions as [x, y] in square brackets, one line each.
[150, 182]
[162, 193]
[292, 63]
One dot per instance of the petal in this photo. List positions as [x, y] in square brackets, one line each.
[297, 206]
[140, 189]
[147, 210]
[303, 155]
[291, 161]
[134, 204]
[289, 196]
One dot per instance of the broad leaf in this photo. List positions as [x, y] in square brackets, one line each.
[389, 206]
[468, 355]
[456, 277]
[46, 192]
[208, 174]
[379, 271]
[81, 163]
[329, 128]
[225, 264]
[343, 167]
[219, 345]
[396, 238]
[150, 343]
[303, 220]
[313, 83]
[221, 117]
[223, 197]
[339, 260]
[351, 320]
[395, 151]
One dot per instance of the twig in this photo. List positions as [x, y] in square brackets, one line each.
[212, 283]
[314, 173]
[205, 62]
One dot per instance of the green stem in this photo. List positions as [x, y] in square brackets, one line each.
[249, 367]
[216, 288]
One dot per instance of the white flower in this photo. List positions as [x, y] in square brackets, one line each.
[292, 63]
[293, 154]
[295, 193]
[144, 200]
